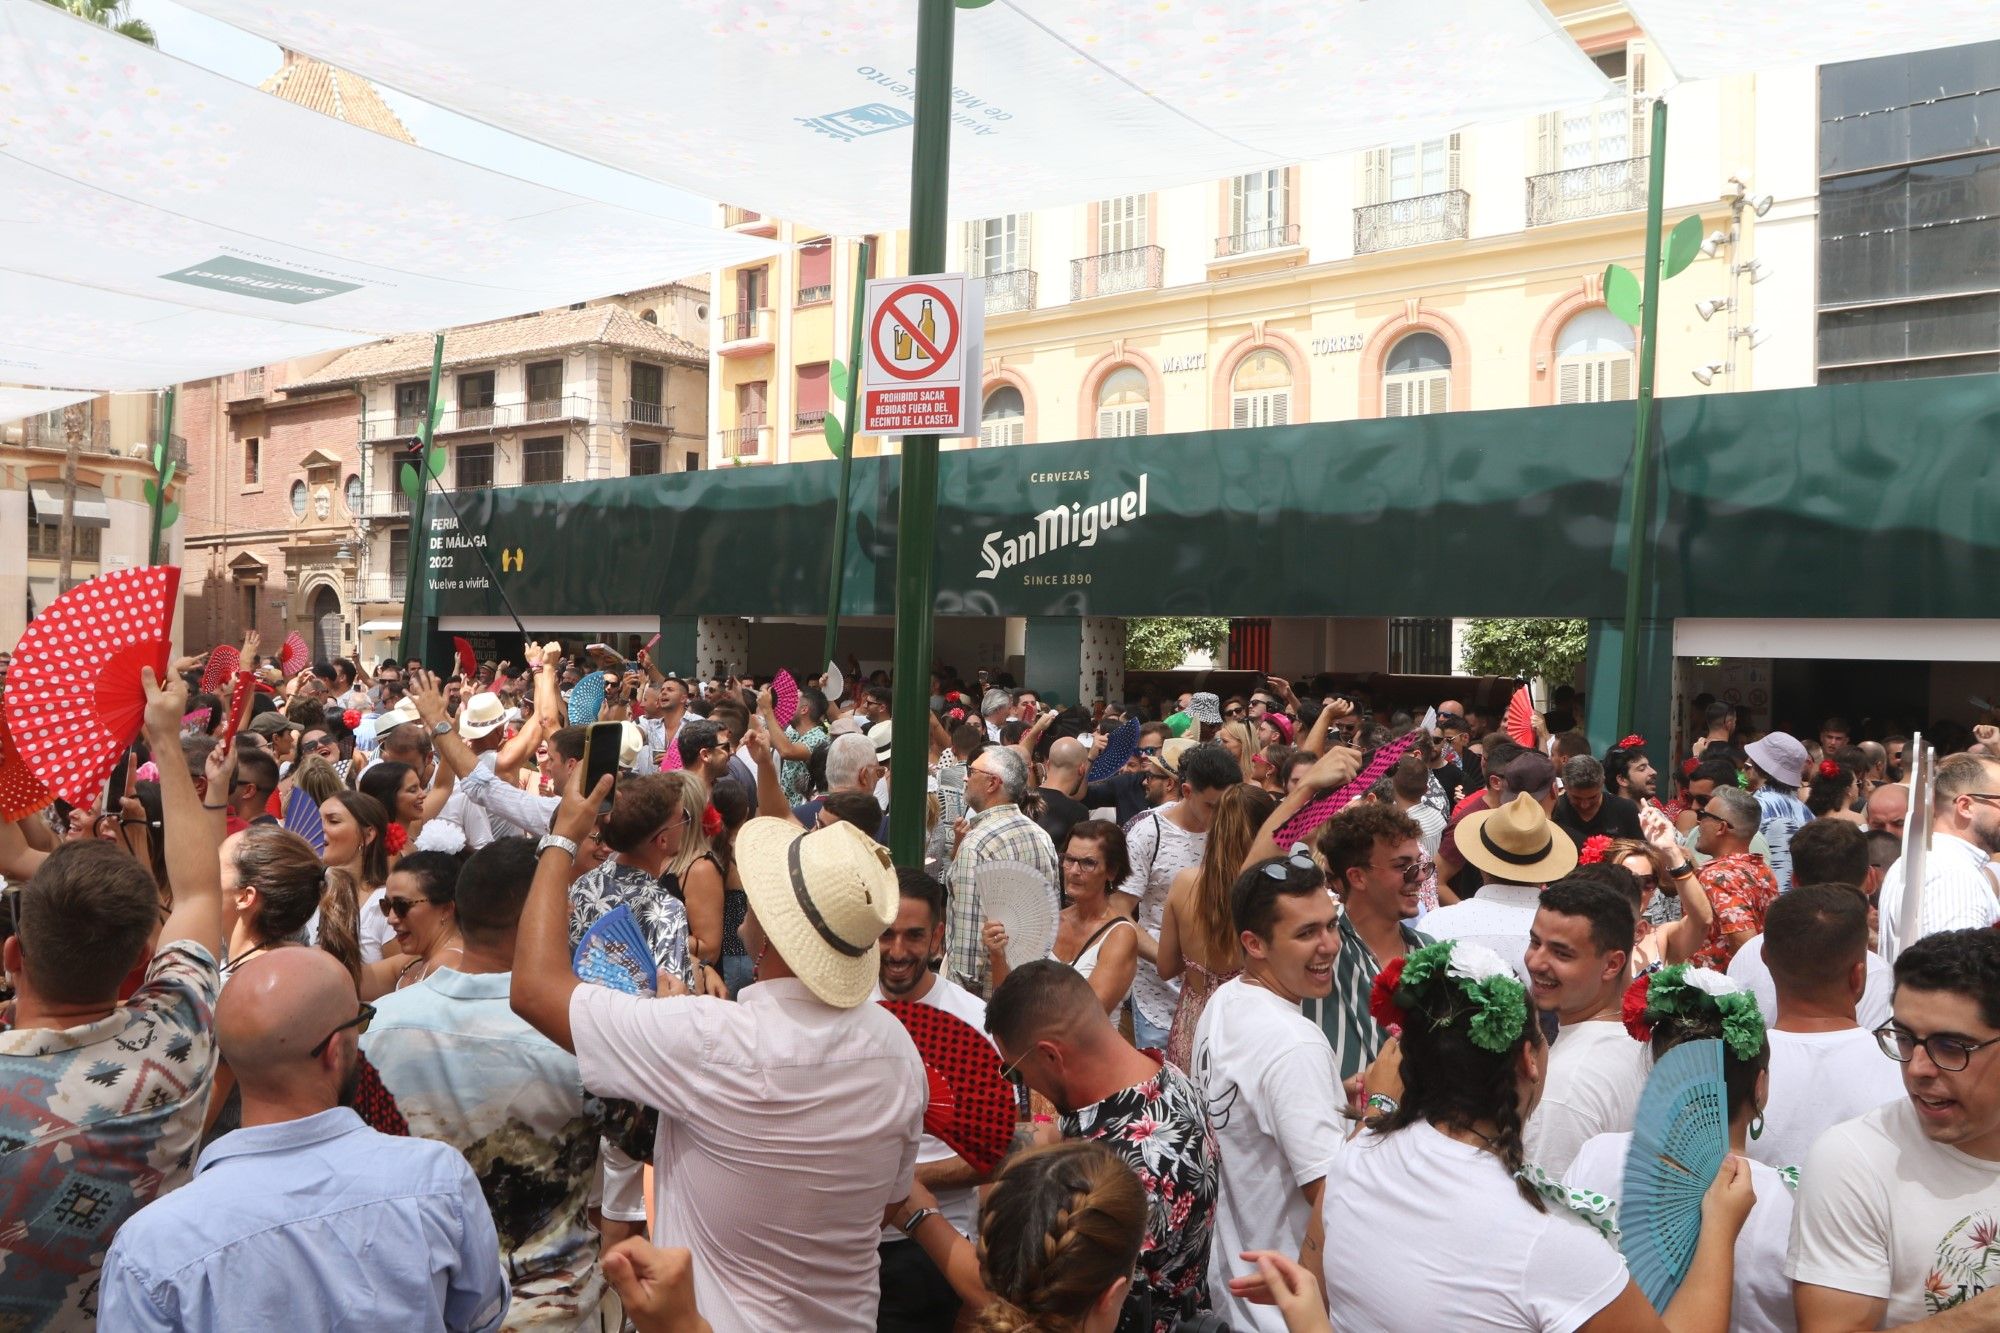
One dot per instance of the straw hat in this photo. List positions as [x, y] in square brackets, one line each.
[1175, 750]
[481, 714]
[404, 711]
[1516, 843]
[630, 741]
[823, 899]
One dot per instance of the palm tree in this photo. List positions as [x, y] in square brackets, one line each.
[109, 14]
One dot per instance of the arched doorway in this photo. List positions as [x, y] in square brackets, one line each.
[326, 624]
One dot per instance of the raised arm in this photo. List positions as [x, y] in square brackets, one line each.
[192, 832]
[542, 980]
[1330, 712]
[786, 747]
[451, 747]
[770, 792]
[1686, 936]
[1335, 768]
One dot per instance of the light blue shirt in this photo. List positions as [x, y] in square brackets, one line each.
[320, 1224]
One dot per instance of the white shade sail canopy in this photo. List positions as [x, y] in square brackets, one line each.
[803, 109]
[161, 223]
[18, 403]
[1702, 39]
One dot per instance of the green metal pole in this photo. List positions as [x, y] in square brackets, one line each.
[1638, 520]
[916, 515]
[838, 573]
[411, 643]
[163, 466]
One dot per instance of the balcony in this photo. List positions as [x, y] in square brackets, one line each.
[817, 294]
[381, 587]
[1418, 221]
[648, 414]
[810, 420]
[745, 333]
[1587, 192]
[1010, 292]
[245, 385]
[748, 222]
[746, 441]
[1136, 270]
[472, 418]
[1259, 238]
[386, 504]
[498, 416]
[37, 433]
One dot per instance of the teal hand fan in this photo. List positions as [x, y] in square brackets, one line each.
[1678, 1143]
[614, 953]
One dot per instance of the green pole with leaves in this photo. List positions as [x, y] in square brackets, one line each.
[1638, 302]
[431, 459]
[165, 512]
[844, 380]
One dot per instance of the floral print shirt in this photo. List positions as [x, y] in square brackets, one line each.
[792, 773]
[661, 918]
[1742, 888]
[1161, 1130]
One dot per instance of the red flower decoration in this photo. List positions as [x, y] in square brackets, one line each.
[711, 822]
[1634, 1009]
[956, 715]
[1690, 766]
[397, 837]
[1828, 769]
[1382, 1005]
[1593, 850]
[1632, 742]
[352, 717]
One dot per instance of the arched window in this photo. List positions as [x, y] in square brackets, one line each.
[1260, 393]
[1416, 379]
[650, 316]
[1003, 420]
[1123, 403]
[1594, 358]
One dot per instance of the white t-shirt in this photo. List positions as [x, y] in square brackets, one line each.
[1762, 1298]
[1872, 1011]
[1159, 850]
[1267, 1077]
[1882, 1210]
[1520, 1270]
[1819, 1080]
[1596, 1073]
[375, 929]
[961, 1206]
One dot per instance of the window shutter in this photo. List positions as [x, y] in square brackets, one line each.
[1392, 398]
[1284, 214]
[1139, 420]
[1451, 164]
[1237, 211]
[1569, 382]
[1281, 407]
[1635, 78]
[1438, 390]
[1107, 423]
[1239, 412]
[1620, 387]
[1374, 176]
[1023, 255]
[975, 249]
[1548, 138]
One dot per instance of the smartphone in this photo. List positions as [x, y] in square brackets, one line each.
[600, 757]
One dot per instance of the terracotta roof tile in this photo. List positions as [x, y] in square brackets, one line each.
[334, 92]
[506, 340]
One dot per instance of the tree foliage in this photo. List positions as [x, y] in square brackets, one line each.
[1159, 643]
[109, 14]
[1551, 649]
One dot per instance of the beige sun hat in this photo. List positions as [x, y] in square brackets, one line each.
[822, 899]
[481, 714]
[1516, 843]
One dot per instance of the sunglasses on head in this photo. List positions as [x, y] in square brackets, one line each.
[359, 1023]
[1299, 859]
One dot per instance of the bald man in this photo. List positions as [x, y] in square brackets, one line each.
[305, 1217]
[1063, 780]
[1888, 808]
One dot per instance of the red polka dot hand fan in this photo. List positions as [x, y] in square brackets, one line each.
[21, 792]
[1301, 826]
[784, 698]
[293, 656]
[74, 698]
[977, 1119]
[222, 664]
[1520, 721]
[239, 700]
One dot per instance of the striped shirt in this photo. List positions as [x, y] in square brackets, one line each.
[997, 833]
[1957, 893]
[1350, 1029]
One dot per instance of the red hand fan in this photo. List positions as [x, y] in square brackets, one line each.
[1301, 825]
[1520, 721]
[784, 698]
[222, 664]
[21, 792]
[74, 696]
[977, 1119]
[293, 657]
[239, 700]
[468, 661]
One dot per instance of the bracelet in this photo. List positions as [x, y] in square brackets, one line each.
[916, 1219]
[1382, 1103]
[1682, 871]
[206, 806]
[555, 842]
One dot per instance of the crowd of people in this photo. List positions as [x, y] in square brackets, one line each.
[299, 1034]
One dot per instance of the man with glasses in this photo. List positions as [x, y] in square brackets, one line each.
[1896, 1210]
[706, 748]
[256, 1239]
[1374, 858]
[644, 833]
[995, 831]
[1739, 884]
[1959, 884]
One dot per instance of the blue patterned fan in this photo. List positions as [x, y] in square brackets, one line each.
[586, 699]
[302, 818]
[1119, 747]
[614, 953]
[1678, 1143]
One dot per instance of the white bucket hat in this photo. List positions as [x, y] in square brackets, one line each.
[1205, 707]
[481, 714]
[823, 900]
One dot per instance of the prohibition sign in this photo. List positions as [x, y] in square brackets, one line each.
[939, 356]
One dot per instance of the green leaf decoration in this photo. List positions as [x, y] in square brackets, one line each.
[152, 493]
[159, 455]
[836, 378]
[836, 435]
[412, 487]
[1622, 296]
[436, 460]
[1683, 244]
[169, 514]
[166, 478]
[437, 415]
[974, 4]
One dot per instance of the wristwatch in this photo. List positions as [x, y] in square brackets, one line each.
[916, 1219]
[557, 841]
[1682, 871]
[441, 727]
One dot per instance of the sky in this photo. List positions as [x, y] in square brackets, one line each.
[214, 45]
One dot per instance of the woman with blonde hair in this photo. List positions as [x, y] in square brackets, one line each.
[1235, 737]
[695, 876]
[1198, 932]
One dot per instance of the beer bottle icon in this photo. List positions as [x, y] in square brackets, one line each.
[928, 323]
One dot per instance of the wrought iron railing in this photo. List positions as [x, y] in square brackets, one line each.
[746, 325]
[1418, 221]
[744, 441]
[648, 414]
[818, 292]
[809, 420]
[1009, 291]
[1587, 192]
[474, 418]
[37, 433]
[1257, 238]
[1136, 270]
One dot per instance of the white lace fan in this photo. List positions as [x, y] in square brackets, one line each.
[1020, 898]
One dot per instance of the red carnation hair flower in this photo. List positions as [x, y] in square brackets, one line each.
[396, 838]
[1632, 742]
[1593, 850]
[1828, 769]
[1634, 1008]
[352, 717]
[1382, 1005]
[711, 822]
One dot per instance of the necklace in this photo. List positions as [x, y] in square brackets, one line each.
[229, 964]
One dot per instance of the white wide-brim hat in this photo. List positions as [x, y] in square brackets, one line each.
[481, 714]
[823, 900]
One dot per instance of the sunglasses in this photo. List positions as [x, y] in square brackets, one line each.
[359, 1023]
[1150, 751]
[1412, 873]
[404, 906]
[1299, 860]
[1232, 712]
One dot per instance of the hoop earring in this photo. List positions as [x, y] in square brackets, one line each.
[1757, 1126]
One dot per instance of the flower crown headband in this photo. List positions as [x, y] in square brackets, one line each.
[1682, 991]
[1451, 981]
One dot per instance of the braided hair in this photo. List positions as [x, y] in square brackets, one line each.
[1062, 1224]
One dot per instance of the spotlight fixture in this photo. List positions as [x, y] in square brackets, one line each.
[1707, 309]
[1753, 335]
[1706, 374]
[1761, 205]
[1755, 270]
[1716, 240]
